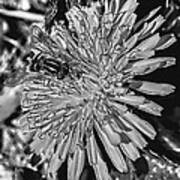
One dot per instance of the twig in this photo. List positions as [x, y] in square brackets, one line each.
[12, 42]
[22, 15]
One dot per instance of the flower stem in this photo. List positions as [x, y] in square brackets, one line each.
[22, 15]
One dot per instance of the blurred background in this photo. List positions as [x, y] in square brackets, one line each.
[16, 17]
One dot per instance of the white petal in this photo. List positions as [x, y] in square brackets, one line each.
[44, 130]
[130, 43]
[54, 161]
[60, 155]
[96, 161]
[152, 88]
[75, 139]
[137, 138]
[92, 150]
[106, 5]
[146, 18]
[129, 5]
[132, 21]
[114, 6]
[124, 20]
[149, 43]
[63, 151]
[22, 121]
[148, 62]
[131, 99]
[113, 152]
[54, 165]
[122, 62]
[39, 145]
[166, 41]
[152, 108]
[76, 164]
[152, 13]
[120, 107]
[158, 22]
[141, 125]
[130, 151]
[137, 55]
[131, 132]
[149, 65]
[113, 136]
[140, 103]
[151, 27]
[50, 148]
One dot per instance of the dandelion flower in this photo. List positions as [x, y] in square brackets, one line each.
[105, 48]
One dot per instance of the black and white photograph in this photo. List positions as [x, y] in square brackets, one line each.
[89, 89]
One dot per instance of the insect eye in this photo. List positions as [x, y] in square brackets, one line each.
[63, 71]
[65, 68]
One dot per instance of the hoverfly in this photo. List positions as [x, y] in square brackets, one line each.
[47, 65]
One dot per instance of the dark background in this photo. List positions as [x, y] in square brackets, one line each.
[169, 124]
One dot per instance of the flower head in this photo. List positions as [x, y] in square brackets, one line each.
[107, 48]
